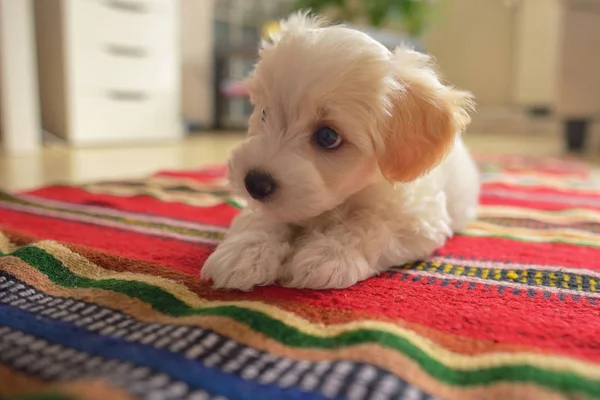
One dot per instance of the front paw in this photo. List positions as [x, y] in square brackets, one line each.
[324, 263]
[245, 260]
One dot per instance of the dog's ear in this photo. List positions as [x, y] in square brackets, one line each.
[424, 117]
[298, 22]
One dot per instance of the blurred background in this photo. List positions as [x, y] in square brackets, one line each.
[103, 89]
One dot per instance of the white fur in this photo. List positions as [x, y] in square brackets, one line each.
[396, 190]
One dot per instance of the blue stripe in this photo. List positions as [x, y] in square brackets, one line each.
[193, 373]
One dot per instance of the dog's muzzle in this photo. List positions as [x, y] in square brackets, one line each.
[260, 185]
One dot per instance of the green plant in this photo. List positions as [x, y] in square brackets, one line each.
[411, 16]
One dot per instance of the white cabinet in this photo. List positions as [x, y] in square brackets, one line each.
[537, 52]
[19, 109]
[578, 93]
[109, 70]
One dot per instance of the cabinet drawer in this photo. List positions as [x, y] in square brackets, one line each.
[122, 116]
[126, 67]
[99, 23]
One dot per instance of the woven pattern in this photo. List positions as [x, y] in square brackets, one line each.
[100, 298]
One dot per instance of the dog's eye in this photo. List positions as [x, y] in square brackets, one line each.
[263, 115]
[327, 138]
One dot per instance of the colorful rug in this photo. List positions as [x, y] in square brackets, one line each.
[100, 299]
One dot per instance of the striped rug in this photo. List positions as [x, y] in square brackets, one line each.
[100, 299]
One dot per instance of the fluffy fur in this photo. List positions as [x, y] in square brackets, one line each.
[399, 186]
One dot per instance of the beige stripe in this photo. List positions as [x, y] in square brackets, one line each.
[529, 238]
[199, 199]
[83, 267]
[5, 245]
[218, 184]
[565, 233]
[395, 362]
[572, 184]
[557, 217]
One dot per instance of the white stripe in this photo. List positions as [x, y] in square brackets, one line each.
[112, 224]
[123, 214]
[572, 215]
[529, 237]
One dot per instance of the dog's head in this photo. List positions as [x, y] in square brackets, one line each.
[333, 110]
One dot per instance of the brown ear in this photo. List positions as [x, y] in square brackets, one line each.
[425, 118]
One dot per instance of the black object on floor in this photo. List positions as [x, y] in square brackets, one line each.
[575, 134]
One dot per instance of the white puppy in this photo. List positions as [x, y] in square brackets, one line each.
[353, 162]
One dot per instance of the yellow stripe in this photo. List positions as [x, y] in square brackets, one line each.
[524, 276]
[554, 233]
[512, 275]
[538, 277]
[552, 279]
[83, 267]
[566, 279]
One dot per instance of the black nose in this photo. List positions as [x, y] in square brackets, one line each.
[259, 184]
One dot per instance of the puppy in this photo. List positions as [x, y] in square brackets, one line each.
[353, 163]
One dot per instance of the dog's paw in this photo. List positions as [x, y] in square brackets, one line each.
[245, 260]
[324, 263]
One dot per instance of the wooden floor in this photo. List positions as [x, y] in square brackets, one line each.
[61, 164]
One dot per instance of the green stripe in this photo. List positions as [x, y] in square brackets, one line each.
[48, 396]
[234, 203]
[168, 304]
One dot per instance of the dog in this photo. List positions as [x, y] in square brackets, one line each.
[353, 162]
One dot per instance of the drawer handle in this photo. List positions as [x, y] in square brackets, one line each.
[128, 6]
[126, 51]
[127, 95]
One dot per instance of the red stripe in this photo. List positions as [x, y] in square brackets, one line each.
[513, 251]
[218, 215]
[568, 327]
[541, 190]
[173, 253]
[205, 174]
